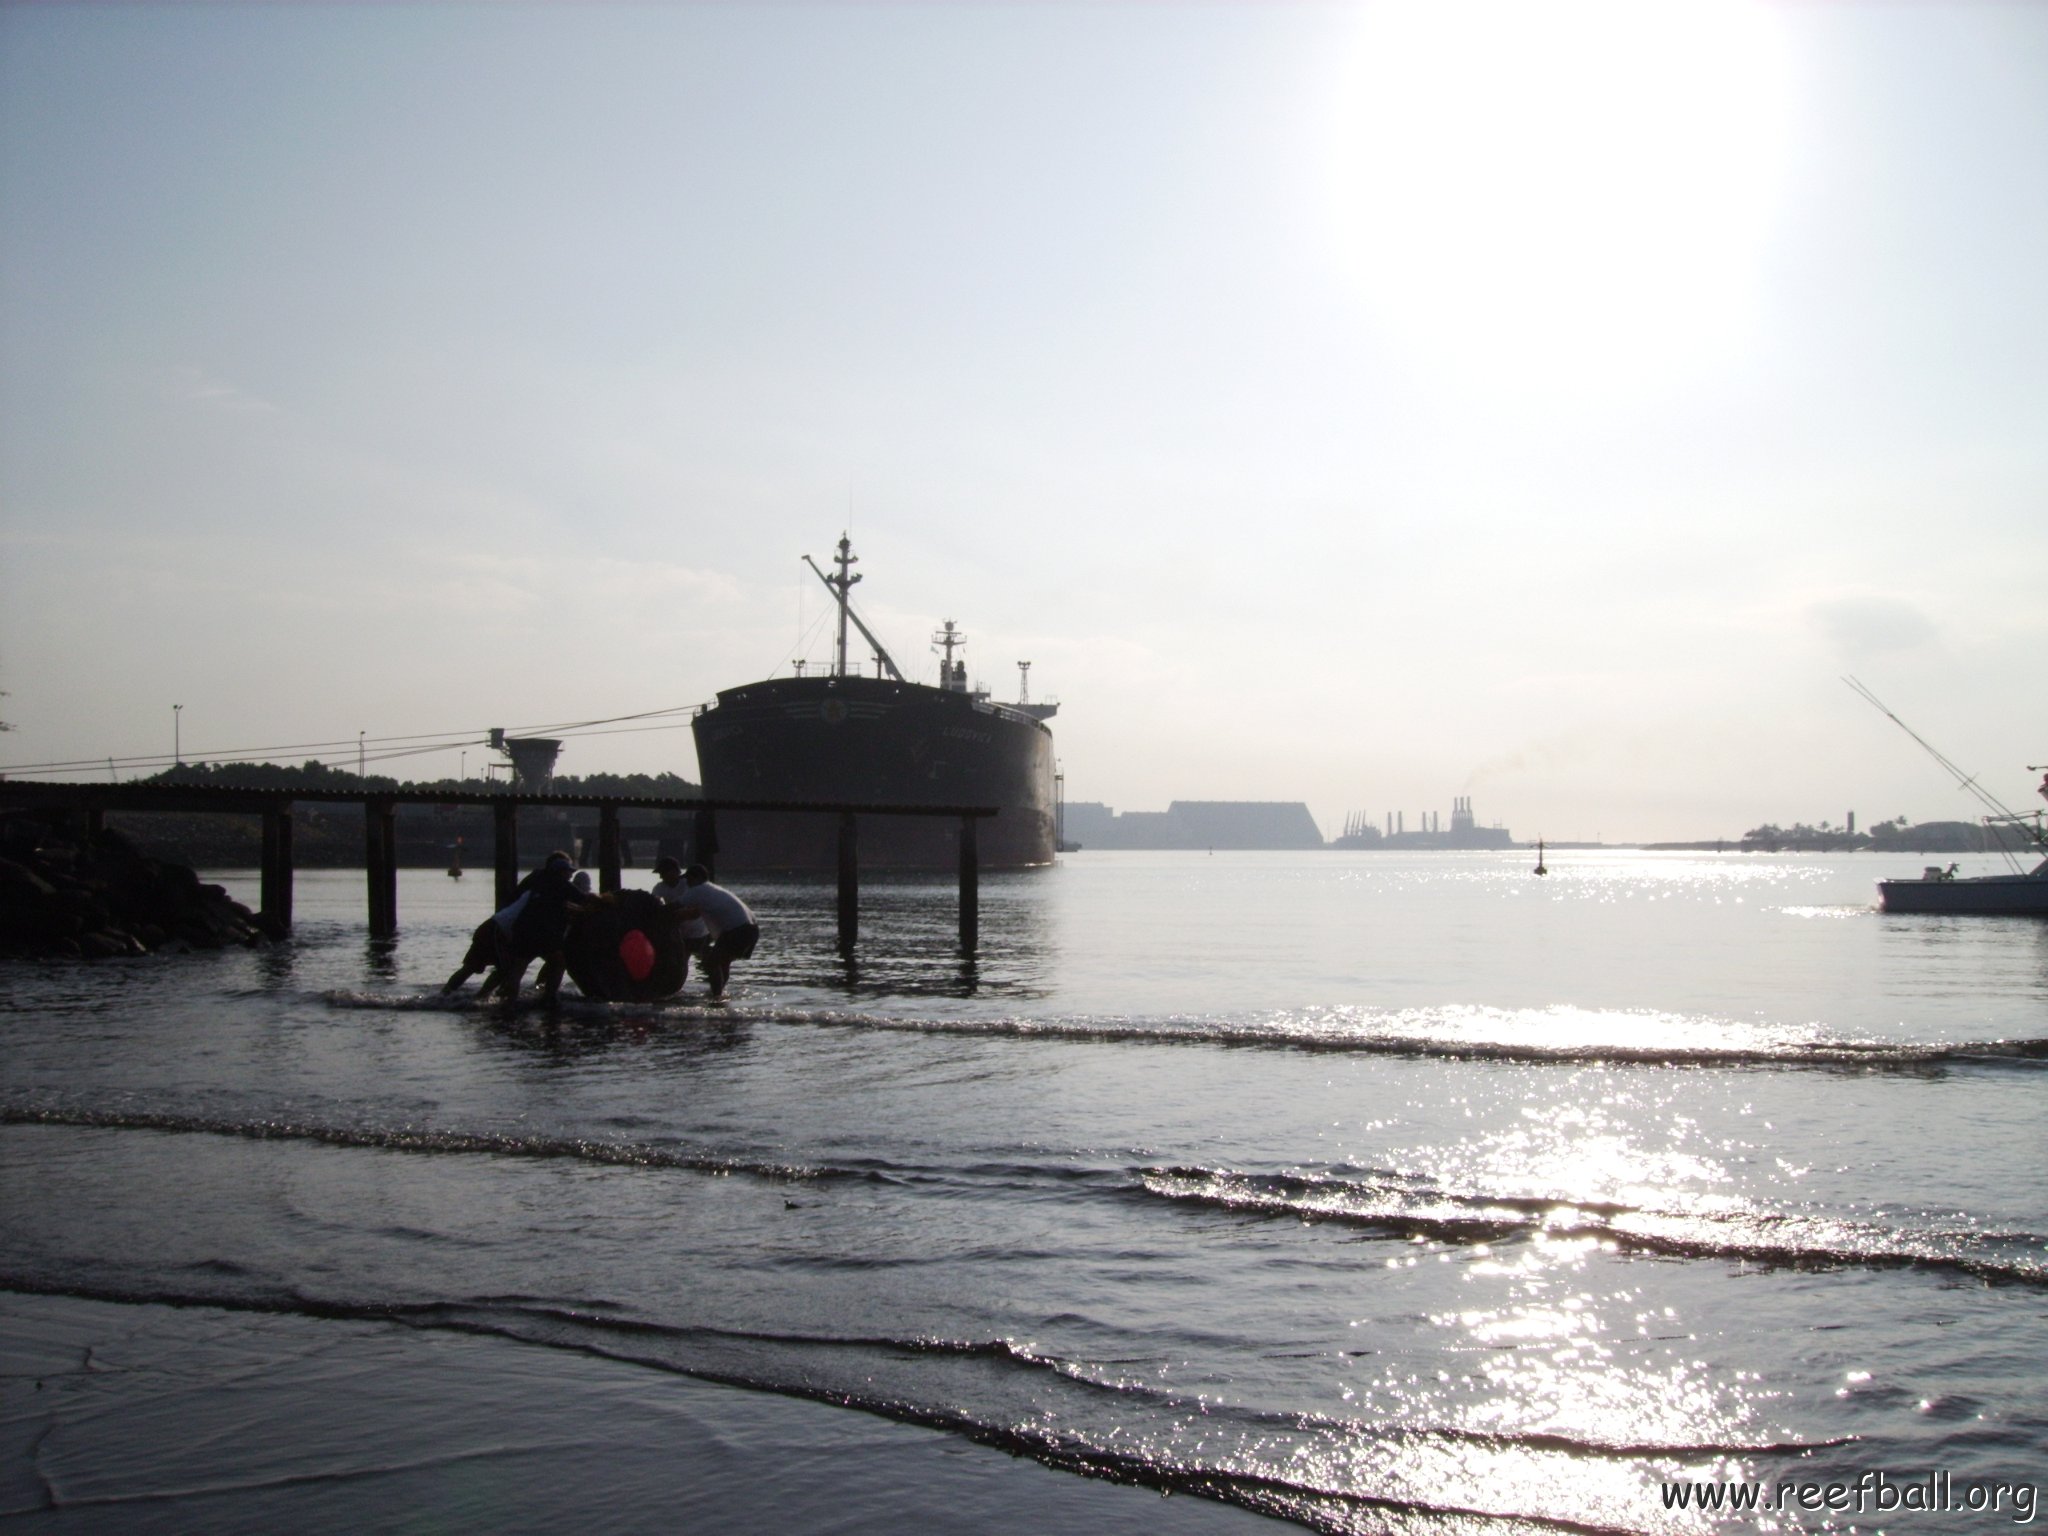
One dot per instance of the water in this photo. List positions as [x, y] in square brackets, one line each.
[1372, 1192]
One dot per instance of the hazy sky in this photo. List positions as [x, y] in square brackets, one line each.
[1360, 404]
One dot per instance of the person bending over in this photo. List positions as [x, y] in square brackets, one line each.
[674, 895]
[532, 926]
[733, 930]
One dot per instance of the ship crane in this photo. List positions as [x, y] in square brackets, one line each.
[839, 586]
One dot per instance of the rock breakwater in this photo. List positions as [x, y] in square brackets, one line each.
[95, 896]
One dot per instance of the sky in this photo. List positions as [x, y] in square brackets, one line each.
[1542, 401]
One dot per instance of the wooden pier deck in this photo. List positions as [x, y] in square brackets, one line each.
[380, 861]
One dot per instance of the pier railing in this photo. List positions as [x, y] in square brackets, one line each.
[380, 834]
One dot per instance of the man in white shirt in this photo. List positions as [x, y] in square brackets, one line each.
[734, 932]
[690, 926]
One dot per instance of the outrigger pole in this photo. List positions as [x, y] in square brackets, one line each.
[1967, 781]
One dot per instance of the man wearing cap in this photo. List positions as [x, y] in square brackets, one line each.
[671, 892]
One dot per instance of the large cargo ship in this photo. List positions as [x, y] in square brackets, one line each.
[841, 735]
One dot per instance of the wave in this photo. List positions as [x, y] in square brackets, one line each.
[1263, 1484]
[1559, 1035]
[406, 1139]
[1385, 1202]
[1393, 1207]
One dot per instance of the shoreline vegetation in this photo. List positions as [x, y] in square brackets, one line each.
[1895, 836]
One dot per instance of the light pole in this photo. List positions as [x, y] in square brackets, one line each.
[177, 737]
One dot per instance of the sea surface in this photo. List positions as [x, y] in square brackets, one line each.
[1369, 1192]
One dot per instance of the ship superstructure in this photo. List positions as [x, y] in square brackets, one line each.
[842, 735]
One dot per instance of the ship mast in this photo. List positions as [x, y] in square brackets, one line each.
[839, 586]
[951, 638]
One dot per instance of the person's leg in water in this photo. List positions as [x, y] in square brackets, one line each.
[507, 977]
[693, 945]
[718, 958]
[549, 982]
[482, 956]
[511, 969]
[734, 944]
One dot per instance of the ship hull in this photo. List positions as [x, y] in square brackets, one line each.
[871, 741]
[1990, 895]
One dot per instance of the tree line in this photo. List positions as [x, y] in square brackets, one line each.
[314, 774]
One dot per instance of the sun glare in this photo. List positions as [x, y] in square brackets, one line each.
[1576, 190]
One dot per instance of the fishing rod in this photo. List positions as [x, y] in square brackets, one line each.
[1997, 808]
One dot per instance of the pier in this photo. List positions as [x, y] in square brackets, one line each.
[380, 847]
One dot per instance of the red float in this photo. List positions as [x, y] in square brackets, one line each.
[636, 952]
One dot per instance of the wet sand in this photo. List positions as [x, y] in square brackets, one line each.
[152, 1418]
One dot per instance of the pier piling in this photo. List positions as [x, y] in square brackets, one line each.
[849, 881]
[380, 864]
[373, 870]
[704, 841]
[277, 871]
[970, 884]
[505, 849]
[608, 848]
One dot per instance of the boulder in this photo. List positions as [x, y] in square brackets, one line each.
[98, 897]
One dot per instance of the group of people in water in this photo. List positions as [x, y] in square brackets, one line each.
[712, 925]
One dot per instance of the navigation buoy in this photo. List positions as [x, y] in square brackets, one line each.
[1539, 858]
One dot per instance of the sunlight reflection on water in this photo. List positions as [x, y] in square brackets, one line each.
[1359, 1178]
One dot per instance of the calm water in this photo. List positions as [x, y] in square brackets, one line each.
[1376, 1192]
